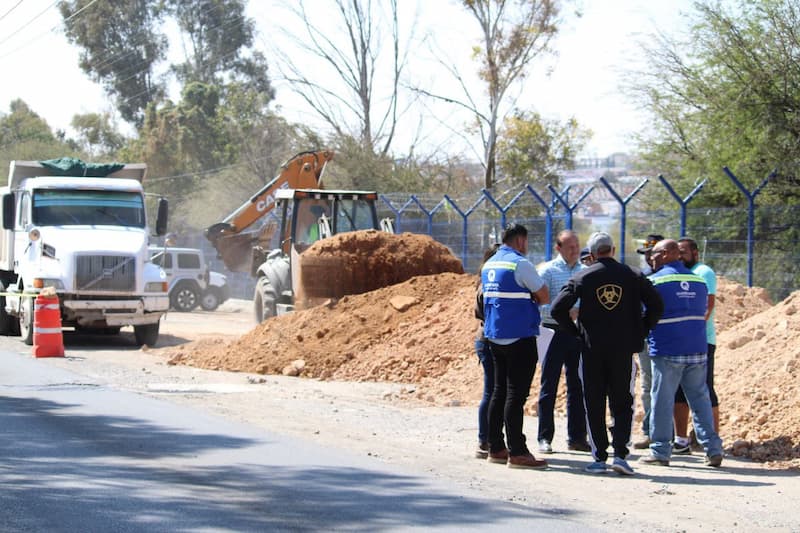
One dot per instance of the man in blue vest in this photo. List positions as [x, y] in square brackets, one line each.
[512, 292]
[678, 356]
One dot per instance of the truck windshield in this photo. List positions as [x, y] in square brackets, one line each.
[88, 208]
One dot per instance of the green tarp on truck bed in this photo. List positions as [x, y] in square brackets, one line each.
[70, 166]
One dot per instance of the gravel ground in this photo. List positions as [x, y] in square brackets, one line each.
[375, 419]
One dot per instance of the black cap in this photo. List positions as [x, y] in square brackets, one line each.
[585, 253]
[649, 242]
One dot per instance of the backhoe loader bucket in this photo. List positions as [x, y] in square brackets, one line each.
[236, 249]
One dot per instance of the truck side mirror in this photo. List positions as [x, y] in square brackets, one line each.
[163, 215]
[9, 211]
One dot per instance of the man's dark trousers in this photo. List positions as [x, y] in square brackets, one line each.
[514, 366]
[564, 350]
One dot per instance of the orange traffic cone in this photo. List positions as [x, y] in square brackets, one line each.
[48, 340]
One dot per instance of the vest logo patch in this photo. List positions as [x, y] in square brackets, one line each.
[609, 295]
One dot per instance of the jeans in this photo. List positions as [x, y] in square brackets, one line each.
[681, 398]
[485, 358]
[514, 366]
[667, 375]
[564, 351]
[646, 379]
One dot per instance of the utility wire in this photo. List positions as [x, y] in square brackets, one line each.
[4, 15]
[44, 32]
[48, 8]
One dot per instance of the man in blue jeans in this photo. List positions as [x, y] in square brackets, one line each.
[512, 292]
[678, 356]
[564, 352]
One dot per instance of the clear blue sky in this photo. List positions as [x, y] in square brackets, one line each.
[40, 67]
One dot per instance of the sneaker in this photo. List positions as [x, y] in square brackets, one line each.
[681, 449]
[597, 467]
[714, 460]
[482, 451]
[500, 457]
[653, 460]
[579, 446]
[642, 444]
[526, 460]
[545, 447]
[621, 466]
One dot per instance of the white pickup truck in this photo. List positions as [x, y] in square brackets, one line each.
[87, 237]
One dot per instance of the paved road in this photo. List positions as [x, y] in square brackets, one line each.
[78, 456]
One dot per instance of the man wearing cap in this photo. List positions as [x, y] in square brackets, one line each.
[678, 355]
[512, 292]
[644, 356]
[618, 308]
[564, 351]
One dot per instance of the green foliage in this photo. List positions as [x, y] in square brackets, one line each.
[512, 35]
[97, 134]
[727, 95]
[25, 135]
[120, 44]
[531, 149]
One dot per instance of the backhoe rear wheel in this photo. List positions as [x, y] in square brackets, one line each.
[264, 300]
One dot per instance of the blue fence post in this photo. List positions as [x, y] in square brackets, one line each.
[398, 213]
[464, 217]
[682, 202]
[623, 204]
[751, 217]
[548, 224]
[428, 214]
[565, 202]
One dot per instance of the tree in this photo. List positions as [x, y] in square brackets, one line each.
[120, 46]
[344, 92]
[728, 94]
[216, 35]
[25, 135]
[97, 134]
[531, 149]
[513, 34]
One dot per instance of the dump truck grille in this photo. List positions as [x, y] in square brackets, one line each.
[109, 273]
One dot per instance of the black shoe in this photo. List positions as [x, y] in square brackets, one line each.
[681, 449]
[579, 446]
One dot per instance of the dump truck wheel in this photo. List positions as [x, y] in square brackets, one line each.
[26, 321]
[6, 320]
[146, 334]
[264, 300]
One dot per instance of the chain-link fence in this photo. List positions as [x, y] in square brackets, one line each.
[470, 224]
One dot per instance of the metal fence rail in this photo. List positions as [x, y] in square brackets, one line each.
[753, 245]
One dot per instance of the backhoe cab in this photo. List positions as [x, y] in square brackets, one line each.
[307, 215]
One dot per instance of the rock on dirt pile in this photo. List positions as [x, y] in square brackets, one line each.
[361, 261]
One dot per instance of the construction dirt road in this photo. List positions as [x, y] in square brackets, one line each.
[391, 374]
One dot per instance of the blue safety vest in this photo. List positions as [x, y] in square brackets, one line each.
[682, 328]
[508, 310]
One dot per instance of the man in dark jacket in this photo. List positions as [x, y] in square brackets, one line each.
[618, 308]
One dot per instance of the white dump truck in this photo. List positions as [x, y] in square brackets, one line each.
[81, 229]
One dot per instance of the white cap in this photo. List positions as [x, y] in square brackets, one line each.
[600, 242]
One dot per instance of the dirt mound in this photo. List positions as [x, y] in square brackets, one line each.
[421, 332]
[400, 333]
[361, 261]
[735, 302]
[758, 367]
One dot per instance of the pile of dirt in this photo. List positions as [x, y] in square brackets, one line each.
[421, 332]
[758, 368]
[362, 261]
